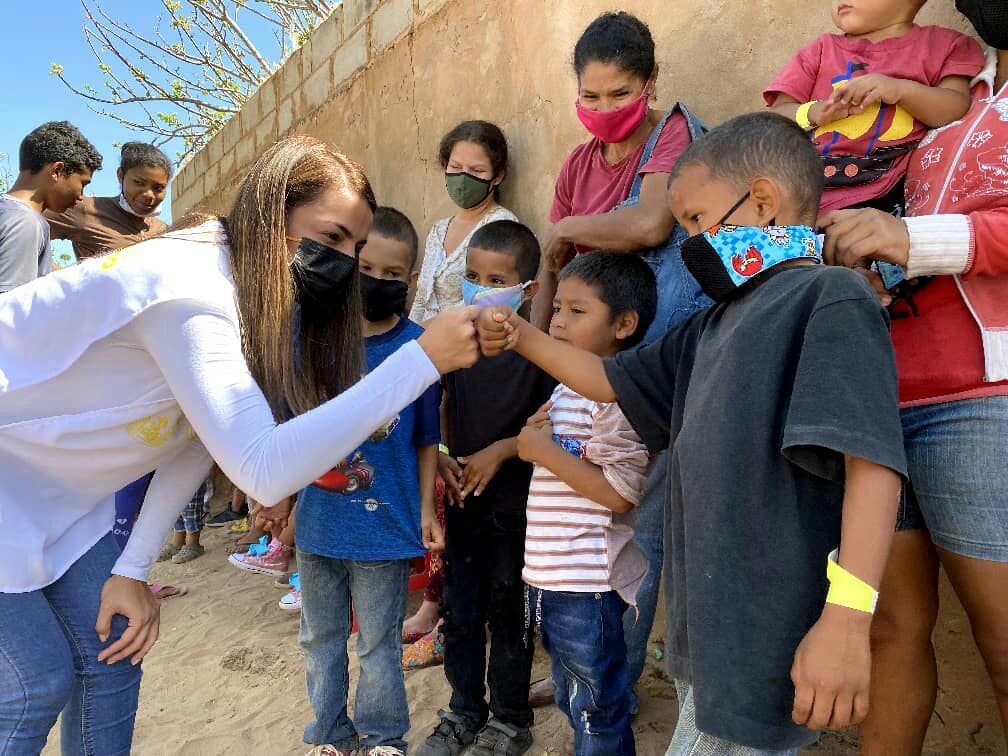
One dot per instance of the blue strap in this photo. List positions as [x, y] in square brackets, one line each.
[696, 130]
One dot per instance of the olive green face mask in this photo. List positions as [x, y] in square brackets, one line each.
[467, 190]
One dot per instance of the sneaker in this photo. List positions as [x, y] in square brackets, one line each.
[291, 602]
[224, 518]
[450, 737]
[380, 751]
[500, 739]
[168, 551]
[274, 562]
[331, 750]
[187, 553]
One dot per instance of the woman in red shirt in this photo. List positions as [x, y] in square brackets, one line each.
[951, 341]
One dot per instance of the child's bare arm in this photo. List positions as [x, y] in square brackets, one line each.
[832, 666]
[500, 329]
[427, 462]
[932, 106]
[536, 445]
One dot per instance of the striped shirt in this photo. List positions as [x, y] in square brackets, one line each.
[572, 542]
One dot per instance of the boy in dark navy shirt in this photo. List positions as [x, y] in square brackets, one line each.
[360, 525]
[779, 408]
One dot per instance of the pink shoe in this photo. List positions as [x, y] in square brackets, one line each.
[274, 562]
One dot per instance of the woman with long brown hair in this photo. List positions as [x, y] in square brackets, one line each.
[238, 340]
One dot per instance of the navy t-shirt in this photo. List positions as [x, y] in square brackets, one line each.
[369, 507]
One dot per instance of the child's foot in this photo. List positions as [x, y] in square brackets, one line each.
[421, 623]
[542, 693]
[291, 602]
[187, 553]
[426, 652]
[450, 737]
[241, 545]
[500, 739]
[330, 750]
[274, 562]
[285, 582]
[168, 551]
[224, 518]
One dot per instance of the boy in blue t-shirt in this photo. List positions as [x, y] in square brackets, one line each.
[360, 525]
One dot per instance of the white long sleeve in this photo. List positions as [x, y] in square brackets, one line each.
[199, 354]
[171, 488]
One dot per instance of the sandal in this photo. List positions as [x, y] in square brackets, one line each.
[167, 590]
[426, 652]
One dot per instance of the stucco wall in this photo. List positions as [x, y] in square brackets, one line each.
[384, 80]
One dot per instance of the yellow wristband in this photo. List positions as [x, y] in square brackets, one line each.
[802, 116]
[444, 450]
[846, 589]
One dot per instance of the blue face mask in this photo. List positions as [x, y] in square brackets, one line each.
[490, 296]
[725, 257]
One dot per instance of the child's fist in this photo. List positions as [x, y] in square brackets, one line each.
[497, 328]
[533, 439]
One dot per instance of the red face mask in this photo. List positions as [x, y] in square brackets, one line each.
[614, 126]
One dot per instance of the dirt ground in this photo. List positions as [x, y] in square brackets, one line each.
[227, 677]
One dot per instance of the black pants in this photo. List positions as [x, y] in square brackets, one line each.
[483, 587]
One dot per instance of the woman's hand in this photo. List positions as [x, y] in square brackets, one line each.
[556, 252]
[450, 471]
[856, 237]
[450, 339]
[832, 670]
[141, 608]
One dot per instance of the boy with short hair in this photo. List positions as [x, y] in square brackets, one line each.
[779, 408]
[581, 563]
[360, 525]
[870, 94]
[485, 408]
[55, 163]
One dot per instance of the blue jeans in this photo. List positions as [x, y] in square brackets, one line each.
[376, 592]
[958, 489]
[583, 633]
[49, 664]
[649, 534]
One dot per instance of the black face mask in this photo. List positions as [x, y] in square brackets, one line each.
[989, 18]
[382, 297]
[320, 273]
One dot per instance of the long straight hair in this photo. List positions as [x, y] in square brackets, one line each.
[299, 358]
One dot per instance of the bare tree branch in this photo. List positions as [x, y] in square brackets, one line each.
[196, 65]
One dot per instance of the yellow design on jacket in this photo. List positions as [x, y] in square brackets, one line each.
[154, 430]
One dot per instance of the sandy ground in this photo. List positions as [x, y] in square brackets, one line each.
[227, 678]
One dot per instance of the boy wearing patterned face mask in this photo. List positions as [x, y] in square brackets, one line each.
[484, 409]
[867, 96]
[779, 408]
[360, 525]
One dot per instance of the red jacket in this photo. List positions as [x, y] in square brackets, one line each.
[957, 216]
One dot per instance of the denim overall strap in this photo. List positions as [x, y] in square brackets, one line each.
[696, 130]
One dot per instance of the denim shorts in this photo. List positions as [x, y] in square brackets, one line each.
[957, 457]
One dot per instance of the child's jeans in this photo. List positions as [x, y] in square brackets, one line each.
[194, 515]
[689, 741]
[49, 664]
[583, 633]
[376, 592]
[483, 588]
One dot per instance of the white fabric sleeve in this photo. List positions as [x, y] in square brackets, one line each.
[170, 490]
[940, 245]
[199, 353]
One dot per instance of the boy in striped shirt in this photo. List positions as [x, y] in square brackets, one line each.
[582, 567]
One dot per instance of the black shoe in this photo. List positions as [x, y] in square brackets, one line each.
[450, 737]
[224, 518]
[500, 739]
